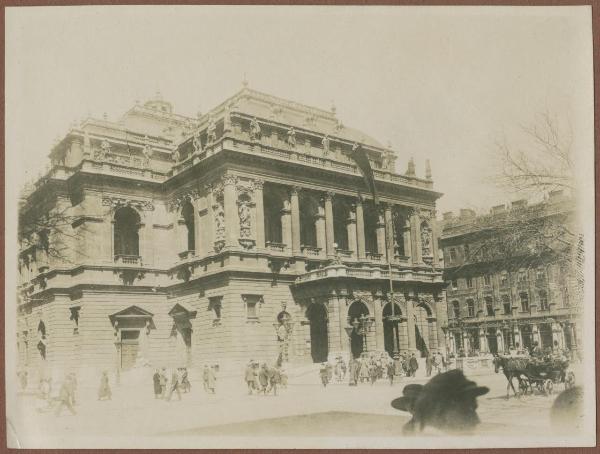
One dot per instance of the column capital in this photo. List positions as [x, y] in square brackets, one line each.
[329, 195]
[295, 190]
[229, 180]
[258, 184]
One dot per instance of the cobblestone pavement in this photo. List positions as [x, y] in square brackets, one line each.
[337, 410]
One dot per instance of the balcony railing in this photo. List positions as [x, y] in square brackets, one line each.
[121, 259]
[311, 250]
[344, 253]
[273, 246]
[374, 256]
[334, 271]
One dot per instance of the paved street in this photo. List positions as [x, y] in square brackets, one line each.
[304, 409]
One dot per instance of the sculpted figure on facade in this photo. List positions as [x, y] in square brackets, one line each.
[254, 130]
[245, 219]
[196, 142]
[219, 214]
[425, 240]
[176, 155]
[211, 130]
[291, 137]
[104, 150]
[146, 152]
[325, 143]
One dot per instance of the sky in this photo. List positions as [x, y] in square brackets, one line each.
[438, 83]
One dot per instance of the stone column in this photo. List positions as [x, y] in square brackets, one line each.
[500, 341]
[450, 342]
[517, 336]
[208, 226]
[378, 313]
[199, 241]
[295, 206]
[286, 224]
[535, 331]
[415, 235]
[483, 345]
[351, 228]
[343, 322]
[260, 213]
[466, 342]
[410, 323]
[390, 232]
[360, 229]
[329, 224]
[320, 227]
[381, 233]
[232, 220]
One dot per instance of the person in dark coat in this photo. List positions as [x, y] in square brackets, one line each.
[447, 402]
[428, 364]
[157, 387]
[391, 370]
[413, 365]
[249, 376]
[263, 378]
[185, 382]
[174, 387]
[353, 374]
[163, 383]
[324, 373]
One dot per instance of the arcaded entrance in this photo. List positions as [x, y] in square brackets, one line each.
[357, 311]
[391, 328]
[319, 345]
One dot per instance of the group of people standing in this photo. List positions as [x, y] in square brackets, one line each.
[179, 381]
[263, 378]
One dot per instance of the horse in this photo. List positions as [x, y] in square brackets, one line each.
[512, 367]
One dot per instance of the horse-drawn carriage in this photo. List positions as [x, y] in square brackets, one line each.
[535, 373]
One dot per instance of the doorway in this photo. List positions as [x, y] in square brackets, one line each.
[319, 339]
[130, 347]
[356, 311]
[391, 329]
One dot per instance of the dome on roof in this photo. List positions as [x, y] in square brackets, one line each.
[158, 103]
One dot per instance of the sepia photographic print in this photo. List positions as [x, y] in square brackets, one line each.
[299, 227]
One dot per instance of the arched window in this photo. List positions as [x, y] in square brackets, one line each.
[273, 202]
[341, 214]
[524, 301]
[506, 304]
[543, 300]
[401, 232]
[470, 308]
[371, 220]
[489, 306]
[456, 309]
[309, 210]
[187, 213]
[127, 225]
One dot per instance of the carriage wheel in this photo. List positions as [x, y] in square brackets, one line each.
[523, 386]
[548, 386]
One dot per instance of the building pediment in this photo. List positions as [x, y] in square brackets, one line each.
[182, 310]
[132, 312]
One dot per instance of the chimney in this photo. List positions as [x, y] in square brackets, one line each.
[519, 204]
[427, 170]
[498, 209]
[410, 171]
[448, 215]
[467, 213]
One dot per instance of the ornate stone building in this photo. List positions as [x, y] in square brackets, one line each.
[238, 234]
[512, 277]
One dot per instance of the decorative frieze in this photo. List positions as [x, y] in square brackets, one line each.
[180, 198]
[118, 202]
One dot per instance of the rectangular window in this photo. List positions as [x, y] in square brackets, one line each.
[540, 274]
[543, 300]
[456, 309]
[469, 282]
[452, 255]
[506, 304]
[504, 280]
[522, 276]
[487, 279]
[215, 304]
[471, 308]
[454, 284]
[252, 303]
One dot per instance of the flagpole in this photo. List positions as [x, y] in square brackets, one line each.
[391, 282]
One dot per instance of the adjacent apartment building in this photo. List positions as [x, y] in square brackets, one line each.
[512, 277]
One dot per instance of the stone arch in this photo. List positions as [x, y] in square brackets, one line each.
[318, 317]
[357, 311]
[425, 329]
[392, 329]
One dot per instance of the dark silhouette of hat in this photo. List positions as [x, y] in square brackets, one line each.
[449, 383]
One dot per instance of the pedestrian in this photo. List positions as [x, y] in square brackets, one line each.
[323, 373]
[353, 374]
[104, 392]
[185, 382]
[435, 362]
[274, 379]
[390, 372]
[163, 383]
[250, 377]
[174, 386]
[364, 370]
[428, 364]
[211, 379]
[413, 365]
[263, 378]
[373, 372]
[73, 387]
[23, 379]
[447, 402]
[329, 368]
[65, 397]
[343, 367]
[156, 381]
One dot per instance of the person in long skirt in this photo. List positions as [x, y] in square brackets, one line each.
[212, 380]
[104, 393]
[65, 396]
[249, 376]
[157, 386]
